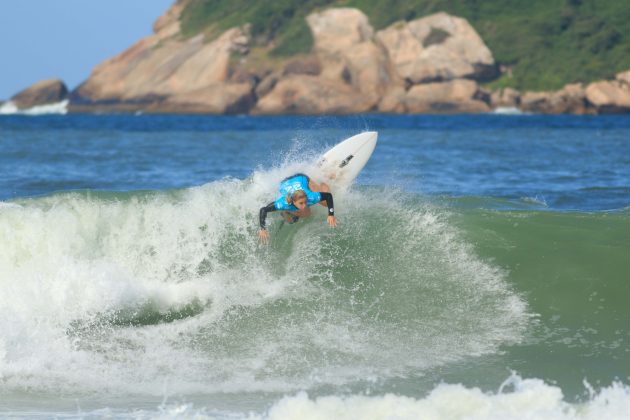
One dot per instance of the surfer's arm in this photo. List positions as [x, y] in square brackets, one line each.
[263, 214]
[328, 198]
[321, 188]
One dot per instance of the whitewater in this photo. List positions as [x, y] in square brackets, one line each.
[160, 302]
[91, 283]
[9, 108]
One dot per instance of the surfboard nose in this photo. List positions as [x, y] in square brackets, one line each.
[371, 135]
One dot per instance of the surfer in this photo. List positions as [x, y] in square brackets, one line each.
[297, 193]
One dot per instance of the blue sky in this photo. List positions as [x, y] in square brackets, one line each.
[44, 39]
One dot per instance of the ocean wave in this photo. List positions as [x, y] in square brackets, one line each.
[116, 292]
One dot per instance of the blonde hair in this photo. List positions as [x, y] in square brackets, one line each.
[296, 195]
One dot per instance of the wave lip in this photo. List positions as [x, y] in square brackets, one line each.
[60, 108]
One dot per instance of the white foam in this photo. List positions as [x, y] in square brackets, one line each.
[530, 399]
[507, 110]
[7, 205]
[9, 108]
[526, 399]
[272, 318]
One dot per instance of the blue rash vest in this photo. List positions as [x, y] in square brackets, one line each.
[291, 185]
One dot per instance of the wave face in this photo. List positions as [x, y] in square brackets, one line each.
[120, 292]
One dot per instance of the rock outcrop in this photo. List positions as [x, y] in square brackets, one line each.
[354, 71]
[437, 48]
[505, 98]
[569, 100]
[164, 72]
[404, 68]
[611, 96]
[41, 93]
[311, 95]
[339, 29]
[420, 66]
[601, 97]
[445, 97]
[230, 98]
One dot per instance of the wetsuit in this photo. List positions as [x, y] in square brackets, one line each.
[289, 186]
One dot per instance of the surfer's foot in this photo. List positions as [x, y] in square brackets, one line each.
[289, 218]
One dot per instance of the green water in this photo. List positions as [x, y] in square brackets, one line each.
[574, 271]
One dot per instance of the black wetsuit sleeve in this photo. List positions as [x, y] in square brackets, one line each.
[263, 213]
[328, 198]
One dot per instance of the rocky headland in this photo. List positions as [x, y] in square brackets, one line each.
[434, 64]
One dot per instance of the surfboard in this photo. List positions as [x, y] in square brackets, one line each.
[342, 164]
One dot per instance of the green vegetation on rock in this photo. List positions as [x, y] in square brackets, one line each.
[545, 43]
[279, 21]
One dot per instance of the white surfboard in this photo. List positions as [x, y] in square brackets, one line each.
[342, 164]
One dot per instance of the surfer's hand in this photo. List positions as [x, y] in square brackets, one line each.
[332, 221]
[263, 236]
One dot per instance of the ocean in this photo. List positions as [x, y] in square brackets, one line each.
[480, 269]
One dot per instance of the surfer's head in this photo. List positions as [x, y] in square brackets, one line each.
[298, 199]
